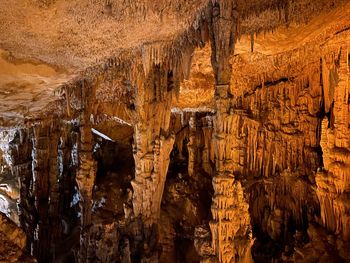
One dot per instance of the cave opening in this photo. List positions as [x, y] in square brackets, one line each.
[188, 190]
[114, 156]
[112, 190]
[115, 167]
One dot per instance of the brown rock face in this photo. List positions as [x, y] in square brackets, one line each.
[333, 181]
[175, 131]
[13, 242]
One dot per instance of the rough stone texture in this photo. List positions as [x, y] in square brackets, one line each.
[153, 144]
[228, 122]
[13, 242]
[333, 181]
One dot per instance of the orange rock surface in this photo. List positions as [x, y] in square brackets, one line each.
[175, 131]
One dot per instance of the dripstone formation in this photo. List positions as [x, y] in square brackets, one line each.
[212, 131]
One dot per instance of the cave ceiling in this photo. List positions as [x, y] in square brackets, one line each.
[175, 131]
[46, 44]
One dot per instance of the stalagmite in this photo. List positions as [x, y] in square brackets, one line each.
[192, 149]
[174, 131]
[231, 233]
[230, 227]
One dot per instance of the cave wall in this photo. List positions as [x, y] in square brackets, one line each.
[275, 149]
[42, 160]
[332, 180]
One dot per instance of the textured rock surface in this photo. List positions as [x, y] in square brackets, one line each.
[175, 131]
[13, 242]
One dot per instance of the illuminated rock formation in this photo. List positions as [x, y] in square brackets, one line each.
[153, 144]
[333, 180]
[231, 234]
[175, 131]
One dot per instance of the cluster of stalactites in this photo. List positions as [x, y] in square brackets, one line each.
[38, 160]
[333, 182]
[195, 128]
[275, 201]
[153, 143]
[230, 227]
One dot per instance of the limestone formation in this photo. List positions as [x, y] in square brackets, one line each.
[13, 242]
[175, 131]
[333, 180]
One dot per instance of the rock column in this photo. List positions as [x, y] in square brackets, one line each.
[152, 146]
[86, 174]
[333, 181]
[230, 227]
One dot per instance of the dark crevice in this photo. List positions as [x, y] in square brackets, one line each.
[186, 200]
[267, 84]
[342, 30]
[273, 83]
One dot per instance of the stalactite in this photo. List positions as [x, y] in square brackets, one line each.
[333, 181]
[153, 143]
[41, 188]
[231, 238]
[85, 176]
[265, 130]
[192, 147]
[54, 217]
[33, 154]
[20, 151]
[152, 150]
[231, 234]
